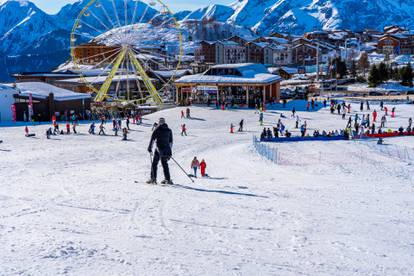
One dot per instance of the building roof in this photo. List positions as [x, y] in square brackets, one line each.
[41, 90]
[101, 79]
[251, 73]
[172, 73]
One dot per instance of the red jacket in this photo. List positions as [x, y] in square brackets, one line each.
[203, 165]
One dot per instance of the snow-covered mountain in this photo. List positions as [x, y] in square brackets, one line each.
[28, 35]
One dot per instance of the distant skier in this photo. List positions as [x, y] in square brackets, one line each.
[188, 113]
[125, 134]
[261, 118]
[48, 132]
[195, 164]
[74, 124]
[182, 114]
[203, 166]
[374, 116]
[393, 112]
[183, 130]
[231, 128]
[67, 128]
[92, 128]
[101, 130]
[241, 124]
[163, 138]
[127, 123]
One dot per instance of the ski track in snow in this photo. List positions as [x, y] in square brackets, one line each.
[71, 205]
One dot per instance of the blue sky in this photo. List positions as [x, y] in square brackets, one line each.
[53, 6]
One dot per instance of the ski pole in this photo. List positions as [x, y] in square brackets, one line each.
[182, 169]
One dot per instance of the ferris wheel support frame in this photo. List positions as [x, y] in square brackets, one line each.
[102, 93]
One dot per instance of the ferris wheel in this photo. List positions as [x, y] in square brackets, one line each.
[119, 48]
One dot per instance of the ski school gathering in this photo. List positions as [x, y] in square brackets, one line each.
[368, 123]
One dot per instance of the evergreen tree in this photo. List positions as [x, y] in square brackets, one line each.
[340, 68]
[407, 75]
[383, 72]
[353, 69]
[363, 63]
[374, 76]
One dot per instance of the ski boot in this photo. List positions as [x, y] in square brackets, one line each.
[152, 181]
[167, 182]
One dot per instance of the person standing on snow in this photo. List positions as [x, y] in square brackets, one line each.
[67, 128]
[183, 130]
[393, 112]
[92, 128]
[101, 130]
[127, 123]
[261, 118]
[195, 164]
[163, 138]
[383, 121]
[241, 124]
[203, 166]
[374, 115]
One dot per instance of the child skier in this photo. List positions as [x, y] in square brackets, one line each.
[203, 166]
[183, 130]
[195, 164]
[125, 134]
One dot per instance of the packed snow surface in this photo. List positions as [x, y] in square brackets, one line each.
[78, 205]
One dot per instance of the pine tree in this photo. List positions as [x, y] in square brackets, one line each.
[407, 75]
[374, 77]
[353, 69]
[363, 62]
[383, 72]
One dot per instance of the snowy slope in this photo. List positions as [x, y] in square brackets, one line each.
[69, 205]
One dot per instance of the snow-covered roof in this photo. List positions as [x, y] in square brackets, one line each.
[277, 39]
[251, 73]
[41, 90]
[171, 73]
[101, 79]
[290, 70]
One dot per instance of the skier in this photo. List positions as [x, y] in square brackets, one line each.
[116, 129]
[74, 127]
[261, 118]
[203, 166]
[183, 130]
[382, 105]
[125, 134]
[374, 115]
[231, 128]
[368, 107]
[26, 131]
[188, 113]
[48, 132]
[92, 128]
[293, 112]
[303, 130]
[383, 121]
[67, 128]
[410, 122]
[182, 114]
[101, 130]
[386, 111]
[195, 164]
[127, 123]
[163, 137]
[393, 112]
[361, 108]
[241, 125]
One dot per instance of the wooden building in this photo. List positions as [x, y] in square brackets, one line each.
[245, 84]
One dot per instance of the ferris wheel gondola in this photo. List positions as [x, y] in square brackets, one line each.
[119, 45]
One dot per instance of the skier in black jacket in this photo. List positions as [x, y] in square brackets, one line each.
[163, 137]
